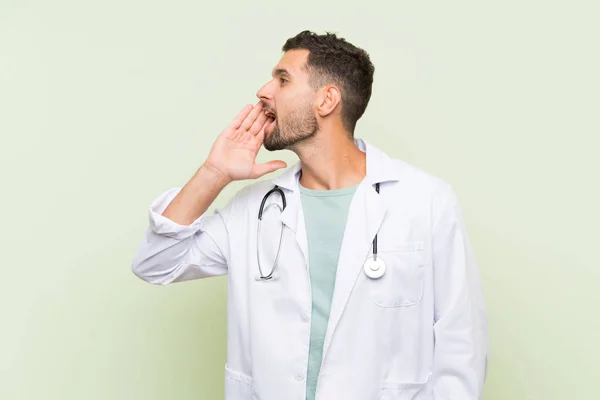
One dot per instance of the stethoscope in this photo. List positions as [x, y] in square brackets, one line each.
[374, 266]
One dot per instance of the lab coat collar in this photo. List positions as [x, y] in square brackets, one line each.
[379, 168]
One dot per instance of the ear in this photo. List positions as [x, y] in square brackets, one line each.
[328, 98]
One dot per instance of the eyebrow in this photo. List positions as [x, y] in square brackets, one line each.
[280, 71]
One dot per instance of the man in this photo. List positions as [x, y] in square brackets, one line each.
[364, 286]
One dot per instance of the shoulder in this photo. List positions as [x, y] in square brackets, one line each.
[407, 178]
[246, 199]
[418, 181]
[253, 192]
[422, 191]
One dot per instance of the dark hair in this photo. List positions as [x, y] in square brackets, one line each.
[333, 60]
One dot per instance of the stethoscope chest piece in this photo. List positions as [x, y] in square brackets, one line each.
[374, 267]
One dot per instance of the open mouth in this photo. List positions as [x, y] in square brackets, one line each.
[271, 121]
[271, 115]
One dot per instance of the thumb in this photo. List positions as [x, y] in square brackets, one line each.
[263, 169]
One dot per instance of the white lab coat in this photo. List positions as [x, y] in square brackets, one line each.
[419, 332]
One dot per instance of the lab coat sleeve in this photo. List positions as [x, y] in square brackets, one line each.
[460, 321]
[170, 252]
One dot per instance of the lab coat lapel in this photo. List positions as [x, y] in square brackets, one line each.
[292, 216]
[365, 216]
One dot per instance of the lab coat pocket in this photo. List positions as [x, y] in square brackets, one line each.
[238, 386]
[406, 390]
[402, 284]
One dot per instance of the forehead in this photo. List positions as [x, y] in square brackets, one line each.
[293, 62]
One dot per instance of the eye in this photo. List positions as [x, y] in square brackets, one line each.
[282, 80]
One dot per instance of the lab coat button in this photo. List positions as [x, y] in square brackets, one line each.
[299, 377]
[305, 318]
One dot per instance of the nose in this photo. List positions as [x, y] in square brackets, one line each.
[265, 93]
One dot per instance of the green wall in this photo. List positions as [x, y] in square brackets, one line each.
[103, 105]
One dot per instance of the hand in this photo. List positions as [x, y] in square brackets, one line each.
[233, 155]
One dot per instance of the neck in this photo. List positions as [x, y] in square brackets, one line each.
[330, 161]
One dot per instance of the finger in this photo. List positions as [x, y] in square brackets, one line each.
[250, 118]
[258, 124]
[263, 169]
[239, 118]
[259, 138]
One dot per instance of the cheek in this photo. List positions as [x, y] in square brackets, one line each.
[288, 102]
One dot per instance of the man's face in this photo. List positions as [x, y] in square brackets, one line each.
[288, 100]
